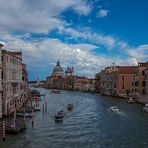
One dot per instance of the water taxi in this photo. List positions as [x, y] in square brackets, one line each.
[131, 100]
[59, 116]
[27, 115]
[69, 106]
[37, 108]
[55, 91]
[114, 108]
[145, 108]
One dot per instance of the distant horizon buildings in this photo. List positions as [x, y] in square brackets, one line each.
[68, 80]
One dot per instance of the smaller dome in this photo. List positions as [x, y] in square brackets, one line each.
[68, 70]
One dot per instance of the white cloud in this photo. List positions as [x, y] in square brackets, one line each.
[86, 34]
[78, 55]
[140, 52]
[102, 13]
[37, 16]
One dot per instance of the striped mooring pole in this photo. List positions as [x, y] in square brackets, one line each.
[24, 119]
[32, 118]
[14, 124]
[4, 131]
[45, 106]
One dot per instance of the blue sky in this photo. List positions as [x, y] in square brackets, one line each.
[88, 35]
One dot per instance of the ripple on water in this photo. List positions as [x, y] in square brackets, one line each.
[88, 125]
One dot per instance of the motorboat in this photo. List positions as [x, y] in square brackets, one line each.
[21, 114]
[59, 116]
[34, 92]
[69, 106]
[114, 108]
[55, 91]
[145, 108]
[37, 108]
[131, 100]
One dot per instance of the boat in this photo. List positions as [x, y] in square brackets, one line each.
[34, 92]
[37, 108]
[131, 100]
[145, 108]
[55, 91]
[114, 108]
[21, 114]
[36, 98]
[69, 106]
[42, 94]
[98, 94]
[59, 116]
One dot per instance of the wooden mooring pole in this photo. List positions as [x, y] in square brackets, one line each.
[4, 131]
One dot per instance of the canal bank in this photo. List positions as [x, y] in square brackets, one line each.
[89, 124]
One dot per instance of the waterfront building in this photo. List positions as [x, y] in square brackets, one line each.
[1, 88]
[40, 83]
[25, 85]
[58, 80]
[68, 81]
[142, 66]
[146, 81]
[84, 84]
[98, 82]
[119, 81]
[14, 81]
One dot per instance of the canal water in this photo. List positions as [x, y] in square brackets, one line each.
[89, 125]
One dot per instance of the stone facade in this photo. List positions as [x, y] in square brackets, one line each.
[14, 81]
[119, 81]
[84, 84]
[24, 85]
[1, 89]
[141, 77]
[146, 81]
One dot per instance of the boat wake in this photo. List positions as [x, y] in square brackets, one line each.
[116, 110]
[121, 113]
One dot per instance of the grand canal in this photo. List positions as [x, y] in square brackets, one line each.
[89, 125]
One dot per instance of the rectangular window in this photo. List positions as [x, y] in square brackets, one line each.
[143, 83]
[143, 73]
[136, 83]
[122, 78]
[133, 77]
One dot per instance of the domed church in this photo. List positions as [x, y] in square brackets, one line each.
[69, 71]
[58, 70]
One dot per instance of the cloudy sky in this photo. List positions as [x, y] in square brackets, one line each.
[86, 34]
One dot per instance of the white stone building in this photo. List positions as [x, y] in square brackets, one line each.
[1, 45]
[146, 81]
[12, 81]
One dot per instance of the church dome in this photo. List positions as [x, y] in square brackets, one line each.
[58, 70]
[68, 70]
